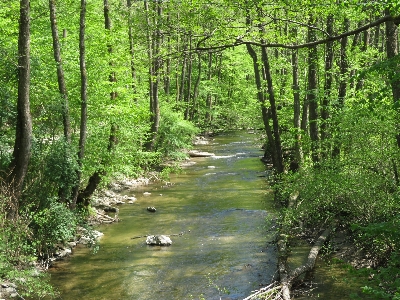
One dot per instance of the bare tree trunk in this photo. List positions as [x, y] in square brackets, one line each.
[274, 115]
[196, 87]
[287, 278]
[183, 75]
[392, 51]
[296, 107]
[312, 93]
[264, 110]
[60, 71]
[132, 48]
[84, 98]
[18, 166]
[328, 82]
[189, 80]
[209, 95]
[344, 68]
[154, 70]
[167, 74]
[366, 38]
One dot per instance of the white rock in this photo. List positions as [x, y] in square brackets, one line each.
[158, 240]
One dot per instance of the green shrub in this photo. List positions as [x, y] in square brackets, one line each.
[174, 135]
[53, 225]
[18, 256]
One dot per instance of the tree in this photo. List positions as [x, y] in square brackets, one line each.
[60, 71]
[22, 146]
[154, 44]
[84, 99]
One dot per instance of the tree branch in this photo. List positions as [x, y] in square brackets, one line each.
[239, 41]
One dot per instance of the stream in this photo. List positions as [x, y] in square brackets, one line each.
[221, 204]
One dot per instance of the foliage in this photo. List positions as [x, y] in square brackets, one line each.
[18, 255]
[388, 280]
[175, 134]
[52, 225]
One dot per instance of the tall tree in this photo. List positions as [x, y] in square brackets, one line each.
[84, 98]
[154, 58]
[23, 139]
[329, 55]
[392, 50]
[131, 46]
[312, 91]
[60, 71]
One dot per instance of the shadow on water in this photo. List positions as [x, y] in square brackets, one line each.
[218, 204]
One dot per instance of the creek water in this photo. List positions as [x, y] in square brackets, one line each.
[221, 205]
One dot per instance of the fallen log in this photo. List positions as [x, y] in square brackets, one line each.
[287, 278]
[281, 291]
[195, 153]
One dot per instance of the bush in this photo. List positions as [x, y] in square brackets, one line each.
[174, 135]
[18, 256]
[53, 225]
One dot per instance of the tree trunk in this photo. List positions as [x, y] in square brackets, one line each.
[312, 93]
[154, 40]
[296, 107]
[287, 278]
[183, 76]
[189, 80]
[60, 71]
[328, 82]
[196, 87]
[264, 110]
[366, 38]
[83, 124]
[23, 138]
[167, 74]
[392, 52]
[209, 95]
[274, 115]
[344, 68]
[131, 47]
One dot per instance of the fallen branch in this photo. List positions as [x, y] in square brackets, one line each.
[108, 217]
[145, 236]
[270, 292]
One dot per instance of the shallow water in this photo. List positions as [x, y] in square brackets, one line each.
[219, 204]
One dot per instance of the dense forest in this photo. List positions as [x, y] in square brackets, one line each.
[94, 91]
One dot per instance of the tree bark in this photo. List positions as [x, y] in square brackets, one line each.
[196, 87]
[209, 95]
[274, 115]
[18, 166]
[60, 71]
[287, 278]
[328, 82]
[344, 68]
[189, 80]
[296, 106]
[131, 48]
[154, 39]
[392, 52]
[312, 97]
[264, 110]
[84, 98]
